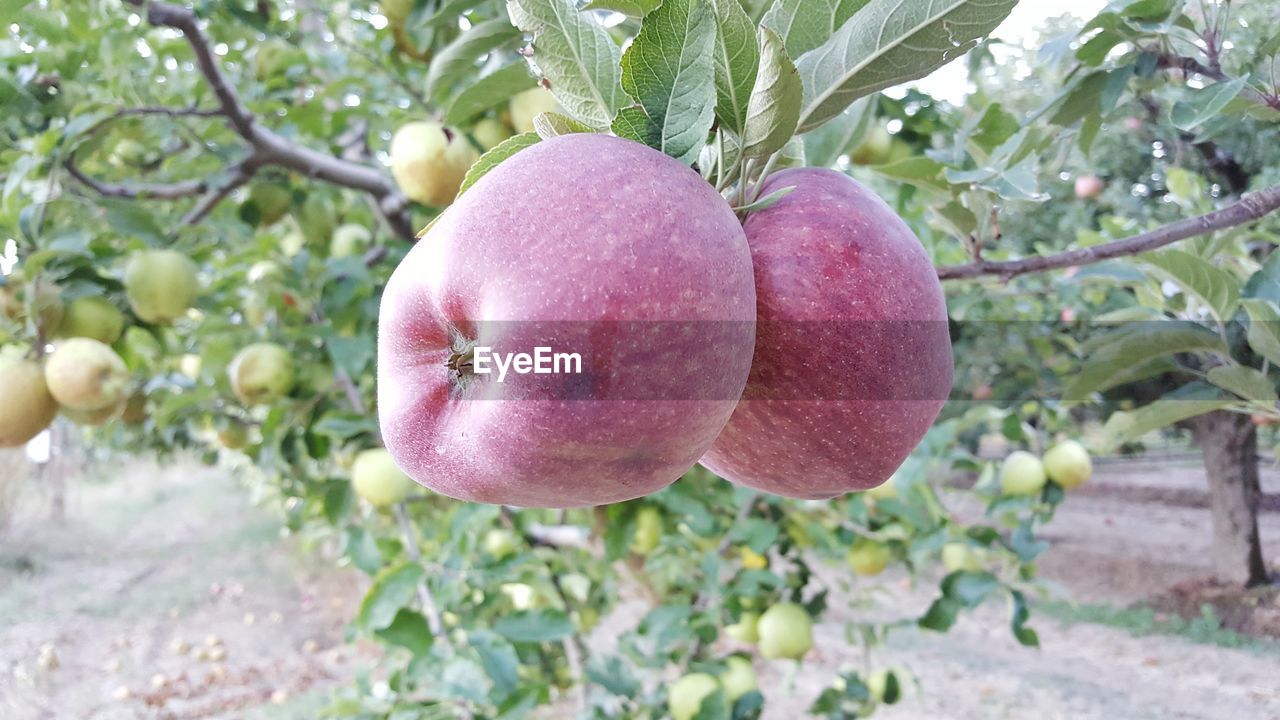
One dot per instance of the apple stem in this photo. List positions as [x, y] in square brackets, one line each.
[461, 362]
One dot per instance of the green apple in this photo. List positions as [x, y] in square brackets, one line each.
[128, 153]
[685, 696]
[261, 374]
[429, 162]
[527, 105]
[488, 132]
[84, 374]
[376, 478]
[874, 148]
[316, 220]
[739, 678]
[350, 239]
[94, 418]
[887, 490]
[92, 317]
[868, 557]
[272, 200]
[500, 543]
[648, 530]
[746, 630]
[233, 435]
[957, 556]
[28, 407]
[1022, 474]
[884, 686]
[1067, 464]
[786, 631]
[161, 285]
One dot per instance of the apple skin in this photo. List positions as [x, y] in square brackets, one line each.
[527, 105]
[853, 354]
[1089, 186]
[161, 285]
[958, 556]
[28, 407]
[94, 418]
[349, 239]
[786, 631]
[739, 678]
[261, 374]
[1068, 464]
[868, 557]
[375, 477]
[685, 696]
[635, 262]
[429, 162]
[84, 374]
[1022, 474]
[272, 200]
[746, 630]
[488, 132]
[92, 317]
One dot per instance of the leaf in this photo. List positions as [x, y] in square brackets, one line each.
[408, 630]
[805, 24]
[459, 57]
[737, 60]
[774, 108]
[633, 124]
[767, 201]
[823, 146]
[1185, 403]
[535, 626]
[1135, 345]
[495, 156]
[633, 8]
[552, 124]
[1263, 332]
[890, 42]
[492, 89]
[391, 590]
[1205, 104]
[1244, 381]
[1216, 288]
[498, 658]
[668, 71]
[575, 55]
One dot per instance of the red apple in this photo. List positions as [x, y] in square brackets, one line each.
[853, 356]
[586, 244]
[1089, 186]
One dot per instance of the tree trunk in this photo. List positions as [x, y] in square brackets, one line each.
[1229, 444]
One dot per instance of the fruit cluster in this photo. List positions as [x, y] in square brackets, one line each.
[1066, 464]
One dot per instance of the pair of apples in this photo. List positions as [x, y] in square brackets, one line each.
[804, 352]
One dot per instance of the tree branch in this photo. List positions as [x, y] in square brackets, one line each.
[1249, 208]
[156, 191]
[241, 174]
[1189, 65]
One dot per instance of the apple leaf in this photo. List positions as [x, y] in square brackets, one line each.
[737, 62]
[1244, 381]
[391, 590]
[767, 201]
[495, 156]
[805, 24]
[1205, 104]
[1135, 345]
[490, 90]
[408, 630]
[668, 71]
[535, 626]
[576, 56]
[1216, 288]
[824, 145]
[775, 100]
[459, 57]
[1184, 403]
[1264, 328]
[889, 42]
[552, 124]
[632, 8]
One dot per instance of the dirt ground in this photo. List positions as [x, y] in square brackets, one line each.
[166, 594]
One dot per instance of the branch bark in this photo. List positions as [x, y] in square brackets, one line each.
[1247, 209]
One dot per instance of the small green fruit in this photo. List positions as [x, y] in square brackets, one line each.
[531, 103]
[1022, 474]
[272, 200]
[92, 317]
[746, 630]
[868, 557]
[93, 418]
[28, 407]
[499, 543]
[261, 374]
[234, 435]
[685, 696]
[349, 239]
[490, 132]
[161, 285]
[738, 679]
[786, 631]
[85, 374]
[648, 530]
[957, 556]
[1068, 464]
[874, 148]
[430, 161]
[376, 478]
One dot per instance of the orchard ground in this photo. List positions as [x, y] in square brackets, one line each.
[166, 557]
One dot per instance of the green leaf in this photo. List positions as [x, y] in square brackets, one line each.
[1216, 288]
[1135, 345]
[535, 626]
[1205, 104]
[1244, 381]
[459, 57]
[668, 71]
[391, 590]
[1018, 621]
[765, 202]
[408, 630]
[633, 124]
[363, 550]
[490, 90]
[805, 24]
[774, 108]
[1264, 328]
[887, 43]
[633, 8]
[737, 60]
[575, 55]
[495, 156]
[498, 658]
[823, 146]
[552, 124]
[1185, 403]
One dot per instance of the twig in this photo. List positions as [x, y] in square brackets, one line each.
[156, 191]
[429, 608]
[1190, 65]
[241, 174]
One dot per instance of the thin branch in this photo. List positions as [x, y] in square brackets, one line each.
[241, 174]
[155, 191]
[1249, 208]
[429, 607]
[1190, 65]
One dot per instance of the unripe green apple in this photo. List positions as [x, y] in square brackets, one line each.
[27, 407]
[349, 239]
[1022, 474]
[84, 374]
[527, 105]
[685, 696]
[261, 374]
[375, 477]
[738, 679]
[161, 285]
[888, 490]
[868, 557]
[429, 162]
[92, 317]
[499, 543]
[874, 148]
[746, 630]
[135, 409]
[45, 302]
[1068, 464]
[128, 153]
[489, 132]
[316, 219]
[648, 530]
[272, 200]
[786, 631]
[233, 435]
[878, 687]
[957, 556]
[94, 418]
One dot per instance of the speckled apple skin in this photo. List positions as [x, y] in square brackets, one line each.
[853, 356]
[605, 233]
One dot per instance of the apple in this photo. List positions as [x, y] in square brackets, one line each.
[881, 689]
[739, 678]
[1022, 474]
[272, 200]
[94, 418]
[499, 543]
[752, 560]
[746, 630]
[868, 557]
[785, 632]
[588, 244]
[92, 317]
[1089, 186]
[429, 162]
[44, 297]
[685, 696]
[190, 365]
[28, 407]
[648, 530]
[1068, 464]
[161, 285]
[349, 239]
[874, 148]
[233, 435]
[853, 353]
[316, 220]
[488, 132]
[128, 153]
[957, 556]
[261, 374]
[84, 374]
[375, 477]
[527, 105]
[887, 490]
